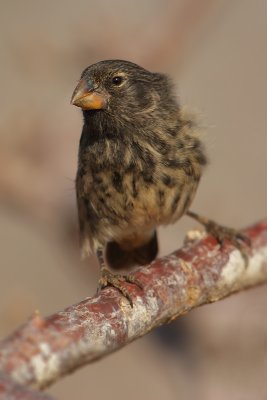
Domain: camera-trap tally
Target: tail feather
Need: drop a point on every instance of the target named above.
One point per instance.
(119, 258)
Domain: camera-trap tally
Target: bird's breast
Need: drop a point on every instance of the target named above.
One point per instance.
(132, 187)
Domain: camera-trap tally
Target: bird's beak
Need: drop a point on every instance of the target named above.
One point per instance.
(87, 97)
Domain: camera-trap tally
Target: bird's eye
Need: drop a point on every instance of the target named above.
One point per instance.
(117, 80)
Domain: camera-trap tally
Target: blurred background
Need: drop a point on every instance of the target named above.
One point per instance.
(215, 50)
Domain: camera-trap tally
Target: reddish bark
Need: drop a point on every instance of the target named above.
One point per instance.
(42, 350)
(9, 390)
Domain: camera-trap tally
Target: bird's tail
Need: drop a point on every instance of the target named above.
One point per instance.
(119, 258)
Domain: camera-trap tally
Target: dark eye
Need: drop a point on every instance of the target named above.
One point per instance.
(117, 80)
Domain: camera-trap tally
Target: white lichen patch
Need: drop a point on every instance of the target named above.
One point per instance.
(140, 318)
(173, 279)
(194, 235)
(256, 265)
(106, 330)
(45, 349)
(171, 260)
(93, 343)
(45, 365)
(22, 374)
(235, 269)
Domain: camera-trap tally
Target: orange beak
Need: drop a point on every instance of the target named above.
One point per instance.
(88, 98)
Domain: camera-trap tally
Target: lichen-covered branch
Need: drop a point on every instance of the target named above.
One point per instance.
(9, 390)
(44, 349)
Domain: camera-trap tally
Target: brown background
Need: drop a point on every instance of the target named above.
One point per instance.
(216, 53)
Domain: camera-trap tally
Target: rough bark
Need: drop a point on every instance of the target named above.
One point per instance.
(9, 390)
(44, 349)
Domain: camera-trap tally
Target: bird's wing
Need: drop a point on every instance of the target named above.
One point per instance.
(85, 242)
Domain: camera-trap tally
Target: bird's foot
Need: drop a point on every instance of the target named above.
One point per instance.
(222, 233)
(117, 281)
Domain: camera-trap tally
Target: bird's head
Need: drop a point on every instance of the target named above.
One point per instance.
(122, 88)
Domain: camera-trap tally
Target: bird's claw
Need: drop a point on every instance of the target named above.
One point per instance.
(117, 281)
(237, 238)
(222, 233)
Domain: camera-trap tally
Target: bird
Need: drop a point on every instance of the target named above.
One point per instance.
(140, 162)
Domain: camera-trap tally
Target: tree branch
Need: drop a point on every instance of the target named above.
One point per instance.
(10, 390)
(200, 272)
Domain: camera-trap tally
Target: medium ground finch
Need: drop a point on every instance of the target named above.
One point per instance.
(140, 163)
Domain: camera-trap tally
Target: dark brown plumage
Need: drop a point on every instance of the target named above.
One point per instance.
(140, 162)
